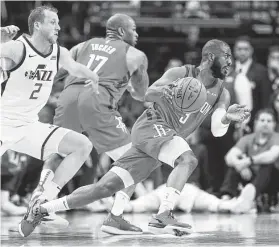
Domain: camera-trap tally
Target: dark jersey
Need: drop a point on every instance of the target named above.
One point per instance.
(108, 59)
(185, 124)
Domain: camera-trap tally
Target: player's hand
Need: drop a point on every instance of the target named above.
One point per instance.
(93, 83)
(168, 92)
(8, 33)
(238, 113)
(246, 174)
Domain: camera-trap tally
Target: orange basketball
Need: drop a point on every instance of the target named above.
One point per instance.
(189, 95)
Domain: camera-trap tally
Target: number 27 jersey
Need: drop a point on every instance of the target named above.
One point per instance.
(29, 84)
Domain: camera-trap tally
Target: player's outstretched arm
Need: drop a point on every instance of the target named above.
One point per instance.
(162, 87)
(137, 63)
(78, 69)
(62, 73)
(223, 114)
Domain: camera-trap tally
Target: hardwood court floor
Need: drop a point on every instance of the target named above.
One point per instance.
(209, 230)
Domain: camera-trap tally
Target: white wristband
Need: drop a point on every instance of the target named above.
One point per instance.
(217, 127)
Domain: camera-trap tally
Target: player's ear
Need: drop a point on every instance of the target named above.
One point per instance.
(37, 25)
(121, 31)
(211, 57)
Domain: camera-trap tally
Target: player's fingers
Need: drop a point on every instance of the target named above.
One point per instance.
(241, 106)
(88, 83)
(15, 28)
(7, 30)
(169, 91)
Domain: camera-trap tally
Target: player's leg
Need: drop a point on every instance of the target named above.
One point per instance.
(122, 197)
(176, 153)
(149, 202)
(66, 116)
(46, 140)
(126, 172)
(115, 223)
(106, 130)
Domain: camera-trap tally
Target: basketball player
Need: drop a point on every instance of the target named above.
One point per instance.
(32, 62)
(117, 63)
(158, 136)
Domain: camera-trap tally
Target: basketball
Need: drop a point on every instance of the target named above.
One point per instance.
(189, 95)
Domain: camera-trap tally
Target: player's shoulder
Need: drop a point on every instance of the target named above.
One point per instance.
(13, 50)
(135, 58)
(133, 51)
(177, 72)
(16, 45)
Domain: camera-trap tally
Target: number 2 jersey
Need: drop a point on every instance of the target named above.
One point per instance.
(108, 59)
(29, 84)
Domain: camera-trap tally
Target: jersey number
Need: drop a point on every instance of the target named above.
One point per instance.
(101, 59)
(39, 85)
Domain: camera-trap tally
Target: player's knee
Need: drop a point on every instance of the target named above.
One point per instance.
(109, 188)
(85, 146)
(187, 159)
(53, 162)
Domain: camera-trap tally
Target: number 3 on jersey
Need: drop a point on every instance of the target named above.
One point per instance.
(101, 59)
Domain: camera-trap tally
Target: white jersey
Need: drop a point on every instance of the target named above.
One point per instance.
(29, 85)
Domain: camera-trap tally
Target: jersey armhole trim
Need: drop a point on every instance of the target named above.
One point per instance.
(187, 70)
(219, 95)
(127, 48)
(22, 59)
(58, 56)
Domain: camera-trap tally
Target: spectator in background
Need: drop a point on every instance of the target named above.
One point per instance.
(72, 25)
(251, 162)
(274, 105)
(273, 67)
(196, 9)
(251, 80)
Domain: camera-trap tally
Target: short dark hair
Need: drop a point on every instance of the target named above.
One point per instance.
(116, 21)
(37, 14)
(213, 46)
(244, 38)
(265, 110)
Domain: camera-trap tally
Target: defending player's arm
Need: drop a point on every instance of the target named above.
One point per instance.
(77, 69)
(62, 73)
(137, 63)
(162, 87)
(223, 114)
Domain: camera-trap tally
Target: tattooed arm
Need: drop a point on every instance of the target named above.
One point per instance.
(137, 64)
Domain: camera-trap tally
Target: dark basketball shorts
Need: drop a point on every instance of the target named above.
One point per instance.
(153, 142)
(81, 110)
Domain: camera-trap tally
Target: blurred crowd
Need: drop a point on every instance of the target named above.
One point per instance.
(249, 82)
